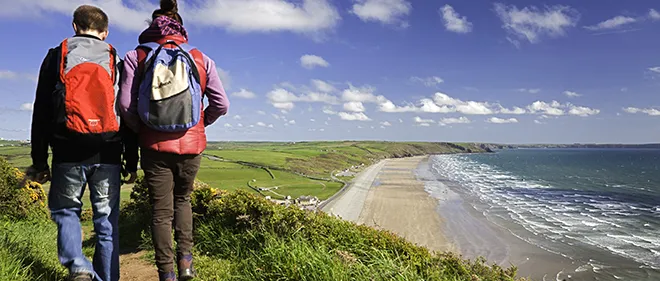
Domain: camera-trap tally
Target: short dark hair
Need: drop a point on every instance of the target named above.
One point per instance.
(88, 17)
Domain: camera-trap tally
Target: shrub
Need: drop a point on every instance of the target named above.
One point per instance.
(242, 226)
(20, 199)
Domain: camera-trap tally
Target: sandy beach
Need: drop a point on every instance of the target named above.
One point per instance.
(403, 196)
(388, 196)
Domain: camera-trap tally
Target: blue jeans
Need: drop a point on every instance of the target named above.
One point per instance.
(64, 200)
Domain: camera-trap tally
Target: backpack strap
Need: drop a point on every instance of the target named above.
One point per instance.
(64, 50)
(113, 64)
(198, 57)
(144, 50)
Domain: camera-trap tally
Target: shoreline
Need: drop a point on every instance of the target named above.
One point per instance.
(402, 195)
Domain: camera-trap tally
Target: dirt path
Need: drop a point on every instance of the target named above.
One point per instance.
(134, 268)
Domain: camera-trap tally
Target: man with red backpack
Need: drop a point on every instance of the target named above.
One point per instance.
(75, 115)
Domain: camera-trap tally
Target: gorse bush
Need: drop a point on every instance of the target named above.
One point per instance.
(259, 234)
(20, 199)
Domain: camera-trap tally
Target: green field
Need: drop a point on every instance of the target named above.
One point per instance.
(292, 164)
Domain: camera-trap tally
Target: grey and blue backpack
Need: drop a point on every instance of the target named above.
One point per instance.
(170, 91)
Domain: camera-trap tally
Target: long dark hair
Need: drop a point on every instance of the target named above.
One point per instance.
(168, 8)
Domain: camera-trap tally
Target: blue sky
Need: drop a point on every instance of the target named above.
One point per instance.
(511, 71)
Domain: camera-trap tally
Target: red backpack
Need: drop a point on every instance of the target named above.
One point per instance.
(86, 97)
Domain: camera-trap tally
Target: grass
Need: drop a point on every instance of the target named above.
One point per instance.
(34, 245)
(287, 161)
(12, 267)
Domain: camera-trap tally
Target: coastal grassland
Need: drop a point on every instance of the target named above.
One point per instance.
(241, 236)
(301, 168)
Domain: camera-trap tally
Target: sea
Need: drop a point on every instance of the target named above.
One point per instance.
(598, 208)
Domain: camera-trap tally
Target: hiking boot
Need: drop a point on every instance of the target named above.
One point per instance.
(80, 276)
(166, 276)
(186, 270)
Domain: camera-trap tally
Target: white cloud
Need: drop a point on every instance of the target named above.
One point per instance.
(12, 75)
(532, 24)
(649, 111)
(355, 116)
(277, 117)
(538, 122)
(572, 94)
(557, 109)
(385, 123)
(421, 120)
(400, 120)
(244, 94)
(227, 125)
(553, 108)
(237, 117)
(261, 112)
(389, 107)
(27, 106)
(460, 120)
(312, 120)
(428, 81)
(292, 122)
(424, 124)
(270, 126)
(361, 94)
(531, 91)
(465, 107)
(473, 107)
(6, 74)
(655, 69)
(453, 21)
(261, 124)
(321, 130)
(323, 86)
(312, 61)
(225, 77)
(429, 106)
(383, 11)
(654, 15)
(496, 120)
(354, 106)
(307, 16)
(612, 23)
(329, 111)
(582, 111)
(283, 99)
(515, 111)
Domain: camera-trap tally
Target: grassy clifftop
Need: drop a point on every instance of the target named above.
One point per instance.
(240, 236)
(231, 165)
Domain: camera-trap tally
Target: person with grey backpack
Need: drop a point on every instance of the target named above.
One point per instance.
(161, 98)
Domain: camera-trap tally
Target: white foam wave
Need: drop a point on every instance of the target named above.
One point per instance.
(542, 210)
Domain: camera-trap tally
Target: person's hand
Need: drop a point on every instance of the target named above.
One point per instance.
(132, 177)
(43, 177)
(38, 176)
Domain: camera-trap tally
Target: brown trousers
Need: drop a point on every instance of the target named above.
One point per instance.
(170, 179)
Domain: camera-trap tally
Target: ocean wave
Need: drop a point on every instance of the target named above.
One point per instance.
(542, 209)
